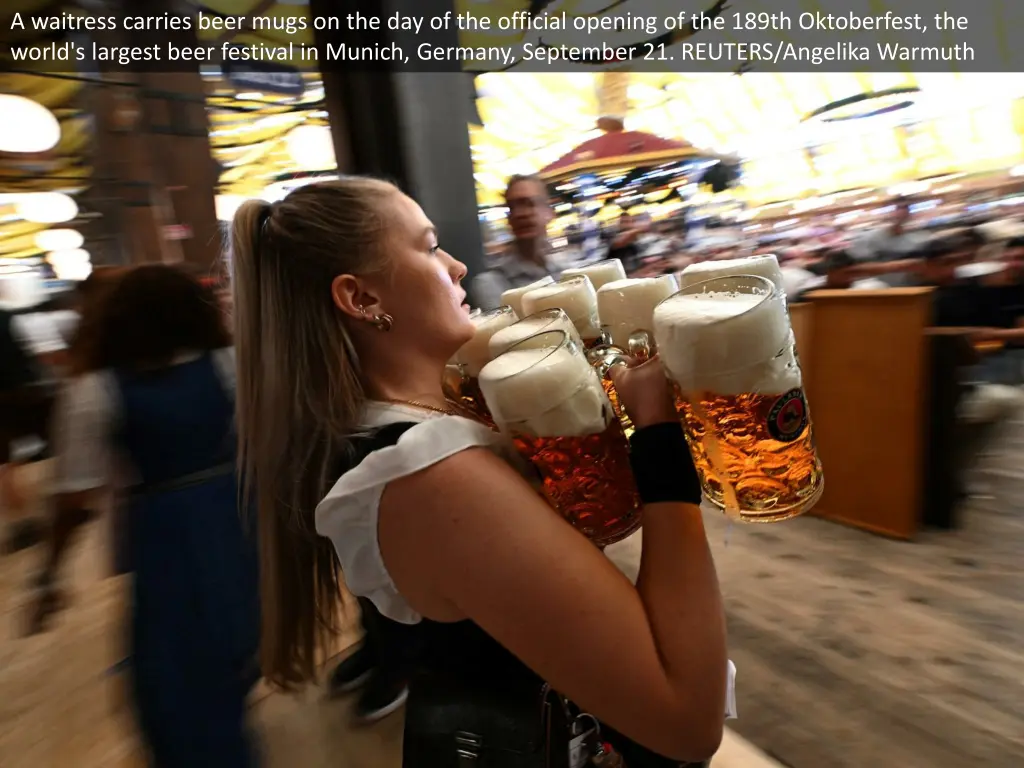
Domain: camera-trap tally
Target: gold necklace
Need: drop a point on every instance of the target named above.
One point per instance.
(425, 406)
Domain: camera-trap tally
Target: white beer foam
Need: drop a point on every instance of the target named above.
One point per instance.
(528, 327)
(627, 306)
(600, 273)
(545, 393)
(513, 297)
(727, 343)
(475, 353)
(575, 296)
(763, 266)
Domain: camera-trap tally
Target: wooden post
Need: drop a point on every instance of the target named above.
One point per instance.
(179, 144)
(126, 176)
(153, 152)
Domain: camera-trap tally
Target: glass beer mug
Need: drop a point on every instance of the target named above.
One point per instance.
(460, 377)
(513, 297)
(626, 308)
(766, 266)
(728, 346)
(544, 394)
(600, 272)
(577, 298)
(534, 327)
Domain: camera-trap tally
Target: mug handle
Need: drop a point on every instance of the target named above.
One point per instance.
(640, 346)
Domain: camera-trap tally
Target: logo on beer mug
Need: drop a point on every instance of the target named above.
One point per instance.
(788, 417)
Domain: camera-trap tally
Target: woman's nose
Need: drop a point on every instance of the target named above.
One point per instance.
(456, 269)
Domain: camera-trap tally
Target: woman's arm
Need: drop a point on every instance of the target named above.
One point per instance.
(469, 538)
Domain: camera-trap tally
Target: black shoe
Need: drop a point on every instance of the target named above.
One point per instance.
(383, 695)
(352, 673)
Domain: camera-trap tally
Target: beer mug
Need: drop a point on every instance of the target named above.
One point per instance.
(460, 382)
(626, 308)
(600, 272)
(577, 298)
(766, 266)
(544, 394)
(513, 297)
(533, 327)
(601, 356)
(728, 346)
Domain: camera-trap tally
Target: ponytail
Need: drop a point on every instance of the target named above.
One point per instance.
(299, 397)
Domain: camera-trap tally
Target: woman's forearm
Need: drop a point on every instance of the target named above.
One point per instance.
(679, 588)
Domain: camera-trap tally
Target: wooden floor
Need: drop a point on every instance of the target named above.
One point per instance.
(852, 650)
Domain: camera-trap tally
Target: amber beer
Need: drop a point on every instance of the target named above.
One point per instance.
(576, 297)
(728, 346)
(546, 396)
(460, 381)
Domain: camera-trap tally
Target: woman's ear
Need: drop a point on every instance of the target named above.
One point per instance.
(353, 297)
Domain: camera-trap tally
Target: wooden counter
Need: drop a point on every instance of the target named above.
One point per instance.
(864, 357)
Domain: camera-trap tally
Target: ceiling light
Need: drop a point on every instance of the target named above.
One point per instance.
(311, 147)
(47, 207)
(68, 257)
(27, 126)
(59, 239)
(74, 271)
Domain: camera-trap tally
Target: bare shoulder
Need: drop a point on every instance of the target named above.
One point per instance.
(472, 535)
(432, 523)
(469, 494)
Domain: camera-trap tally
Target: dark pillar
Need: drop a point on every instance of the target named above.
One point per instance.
(410, 127)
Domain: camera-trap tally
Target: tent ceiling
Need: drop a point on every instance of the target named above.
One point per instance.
(957, 122)
(529, 120)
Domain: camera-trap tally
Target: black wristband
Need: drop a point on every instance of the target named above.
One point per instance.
(662, 464)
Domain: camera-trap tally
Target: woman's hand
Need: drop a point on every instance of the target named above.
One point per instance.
(645, 391)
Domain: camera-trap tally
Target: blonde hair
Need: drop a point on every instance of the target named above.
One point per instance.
(299, 395)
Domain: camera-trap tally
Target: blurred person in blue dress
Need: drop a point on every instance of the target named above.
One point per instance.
(157, 406)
